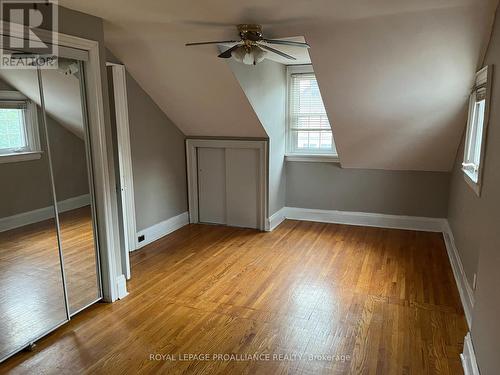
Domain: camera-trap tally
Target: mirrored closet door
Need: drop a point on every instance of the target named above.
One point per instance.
(64, 99)
(49, 265)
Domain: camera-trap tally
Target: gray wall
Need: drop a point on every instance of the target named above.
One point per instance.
(158, 156)
(26, 186)
(464, 210)
(69, 161)
(475, 222)
(158, 160)
(265, 87)
(327, 186)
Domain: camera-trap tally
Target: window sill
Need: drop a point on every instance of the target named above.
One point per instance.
(21, 156)
(471, 179)
(313, 158)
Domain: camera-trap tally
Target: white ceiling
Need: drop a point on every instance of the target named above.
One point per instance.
(394, 74)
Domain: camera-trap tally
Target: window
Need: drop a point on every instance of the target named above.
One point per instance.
(12, 130)
(309, 131)
(18, 128)
(476, 130)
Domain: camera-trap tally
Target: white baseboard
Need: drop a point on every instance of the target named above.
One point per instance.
(161, 229)
(464, 288)
(468, 357)
(41, 214)
(121, 286)
(275, 219)
(367, 219)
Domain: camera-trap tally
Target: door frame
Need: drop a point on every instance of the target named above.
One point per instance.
(126, 189)
(192, 144)
(113, 285)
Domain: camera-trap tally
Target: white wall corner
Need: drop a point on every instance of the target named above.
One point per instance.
(275, 219)
(464, 288)
(468, 357)
(161, 229)
(121, 286)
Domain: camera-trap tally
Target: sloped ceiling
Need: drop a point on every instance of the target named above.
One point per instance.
(61, 92)
(394, 74)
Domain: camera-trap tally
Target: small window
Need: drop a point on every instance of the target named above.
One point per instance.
(476, 130)
(12, 130)
(309, 130)
(18, 126)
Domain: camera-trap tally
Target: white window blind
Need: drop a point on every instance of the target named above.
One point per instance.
(309, 128)
(18, 124)
(12, 130)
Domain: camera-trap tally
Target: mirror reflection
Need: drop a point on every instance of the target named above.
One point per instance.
(31, 286)
(63, 103)
(44, 150)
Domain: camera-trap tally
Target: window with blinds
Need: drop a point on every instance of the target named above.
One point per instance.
(18, 125)
(308, 126)
(12, 130)
(476, 127)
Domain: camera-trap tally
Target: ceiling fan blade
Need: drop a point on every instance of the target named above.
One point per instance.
(286, 43)
(227, 53)
(217, 42)
(277, 52)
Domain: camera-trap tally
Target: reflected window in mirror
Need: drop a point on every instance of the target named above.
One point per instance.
(19, 137)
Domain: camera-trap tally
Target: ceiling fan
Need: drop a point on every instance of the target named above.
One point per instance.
(252, 46)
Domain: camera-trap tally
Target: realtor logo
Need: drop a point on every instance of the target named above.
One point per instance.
(23, 23)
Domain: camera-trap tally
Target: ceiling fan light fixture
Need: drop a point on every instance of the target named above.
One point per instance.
(258, 55)
(252, 47)
(248, 55)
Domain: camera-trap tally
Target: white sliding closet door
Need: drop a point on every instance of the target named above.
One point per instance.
(228, 186)
(242, 187)
(212, 185)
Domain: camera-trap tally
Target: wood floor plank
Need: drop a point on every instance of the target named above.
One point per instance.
(314, 298)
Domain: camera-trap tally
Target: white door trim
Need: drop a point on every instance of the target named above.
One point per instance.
(125, 164)
(105, 193)
(192, 172)
(468, 357)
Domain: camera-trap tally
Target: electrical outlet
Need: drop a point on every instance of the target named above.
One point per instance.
(141, 238)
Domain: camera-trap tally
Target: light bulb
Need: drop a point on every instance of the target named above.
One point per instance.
(258, 54)
(248, 55)
(239, 53)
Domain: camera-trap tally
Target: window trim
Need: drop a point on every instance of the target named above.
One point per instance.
(20, 156)
(313, 158)
(302, 156)
(33, 150)
(480, 77)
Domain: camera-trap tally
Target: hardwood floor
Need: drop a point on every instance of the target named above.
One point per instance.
(77, 239)
(31, 289)
(326, 298)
